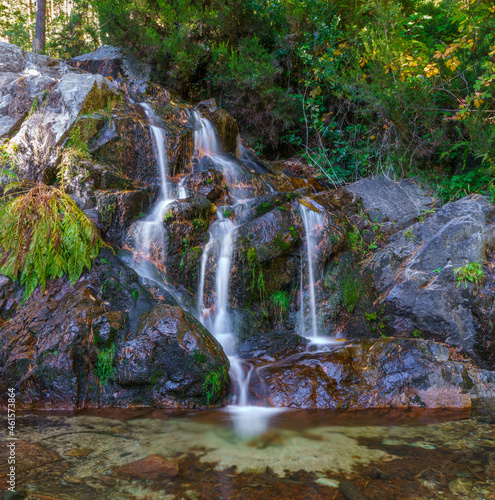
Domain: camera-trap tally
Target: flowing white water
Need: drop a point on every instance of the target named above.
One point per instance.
(150, 232)
(181, 190)
(312, 220)
(247, 420)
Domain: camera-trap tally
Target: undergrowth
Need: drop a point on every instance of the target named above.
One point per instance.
(44, 235)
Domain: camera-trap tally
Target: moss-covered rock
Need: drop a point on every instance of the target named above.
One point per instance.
(107, 342)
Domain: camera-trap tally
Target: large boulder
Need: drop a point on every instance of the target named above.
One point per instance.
(395, 205)
(112, 62)
(417, 274)
(106, 342)
(391, 373)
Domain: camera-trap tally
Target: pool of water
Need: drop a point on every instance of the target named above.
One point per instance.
(258, 454)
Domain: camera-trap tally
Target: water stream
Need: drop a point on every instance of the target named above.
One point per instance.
(248, 420)
(150, 234)
(311, 220)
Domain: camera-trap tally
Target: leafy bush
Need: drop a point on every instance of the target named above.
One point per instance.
(472, 272)
(43, 235)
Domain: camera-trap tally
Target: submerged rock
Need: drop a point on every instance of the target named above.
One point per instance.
(391, 373)
(107, 342)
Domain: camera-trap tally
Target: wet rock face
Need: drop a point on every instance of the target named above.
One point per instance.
(107, 342)
(415, 274)
(392, 373)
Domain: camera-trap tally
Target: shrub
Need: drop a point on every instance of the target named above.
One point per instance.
(44, 235)
(472, 272)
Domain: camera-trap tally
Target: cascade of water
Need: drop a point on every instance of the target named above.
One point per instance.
(159, 145)
(248, 420)
(150, 230)
(205, 137)
(181, 190)
(311, 220)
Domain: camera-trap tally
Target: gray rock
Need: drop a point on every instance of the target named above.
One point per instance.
(395, 204)
(105, 342)
(111, 61)
(41, 135)
(416, 278)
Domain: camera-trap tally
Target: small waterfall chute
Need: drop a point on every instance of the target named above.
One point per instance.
(248, 420)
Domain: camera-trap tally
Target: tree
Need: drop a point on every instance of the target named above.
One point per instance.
(39, 34)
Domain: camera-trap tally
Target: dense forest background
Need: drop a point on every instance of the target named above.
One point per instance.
(354, 87)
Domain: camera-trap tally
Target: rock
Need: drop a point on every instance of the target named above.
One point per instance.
(153, 467)
(269, 346)
(33, 463)
(42, 134)
(461, 486)
(416, 278)
(209, 183)
(117, 210)
(112, 62)
(171, 351)
(107, 342)
(350, 491)
(392, 373)
(396, 204)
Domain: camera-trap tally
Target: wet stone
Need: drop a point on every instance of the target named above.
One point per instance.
(153, 467)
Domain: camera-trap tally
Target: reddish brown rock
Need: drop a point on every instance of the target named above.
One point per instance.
(153, 467)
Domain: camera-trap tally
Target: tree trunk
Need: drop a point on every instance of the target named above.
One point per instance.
(39, 34)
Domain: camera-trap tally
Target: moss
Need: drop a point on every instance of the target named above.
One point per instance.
(351, 291)
(213, 384)
(156, 376)
(263, 208)
(199, 357)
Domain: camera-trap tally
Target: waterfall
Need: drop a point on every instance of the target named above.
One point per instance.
(247, 420)
(205, 136)
(181, 190)
(311, 220)
(150, 232)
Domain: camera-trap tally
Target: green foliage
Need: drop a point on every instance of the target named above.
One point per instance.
(371, 316)
(355, 240)
(471, 272)
(409, 235)
(227, 213)
(198, 223)
(44, 235)
(416, 333)
(213, 384)
(71, 28)
(280, 301)
(104, 369)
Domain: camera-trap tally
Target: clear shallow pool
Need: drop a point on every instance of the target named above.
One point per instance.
(299, 455)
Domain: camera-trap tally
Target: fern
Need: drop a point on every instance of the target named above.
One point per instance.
(43, 235)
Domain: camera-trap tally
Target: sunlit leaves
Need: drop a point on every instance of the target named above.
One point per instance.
(43, 235)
